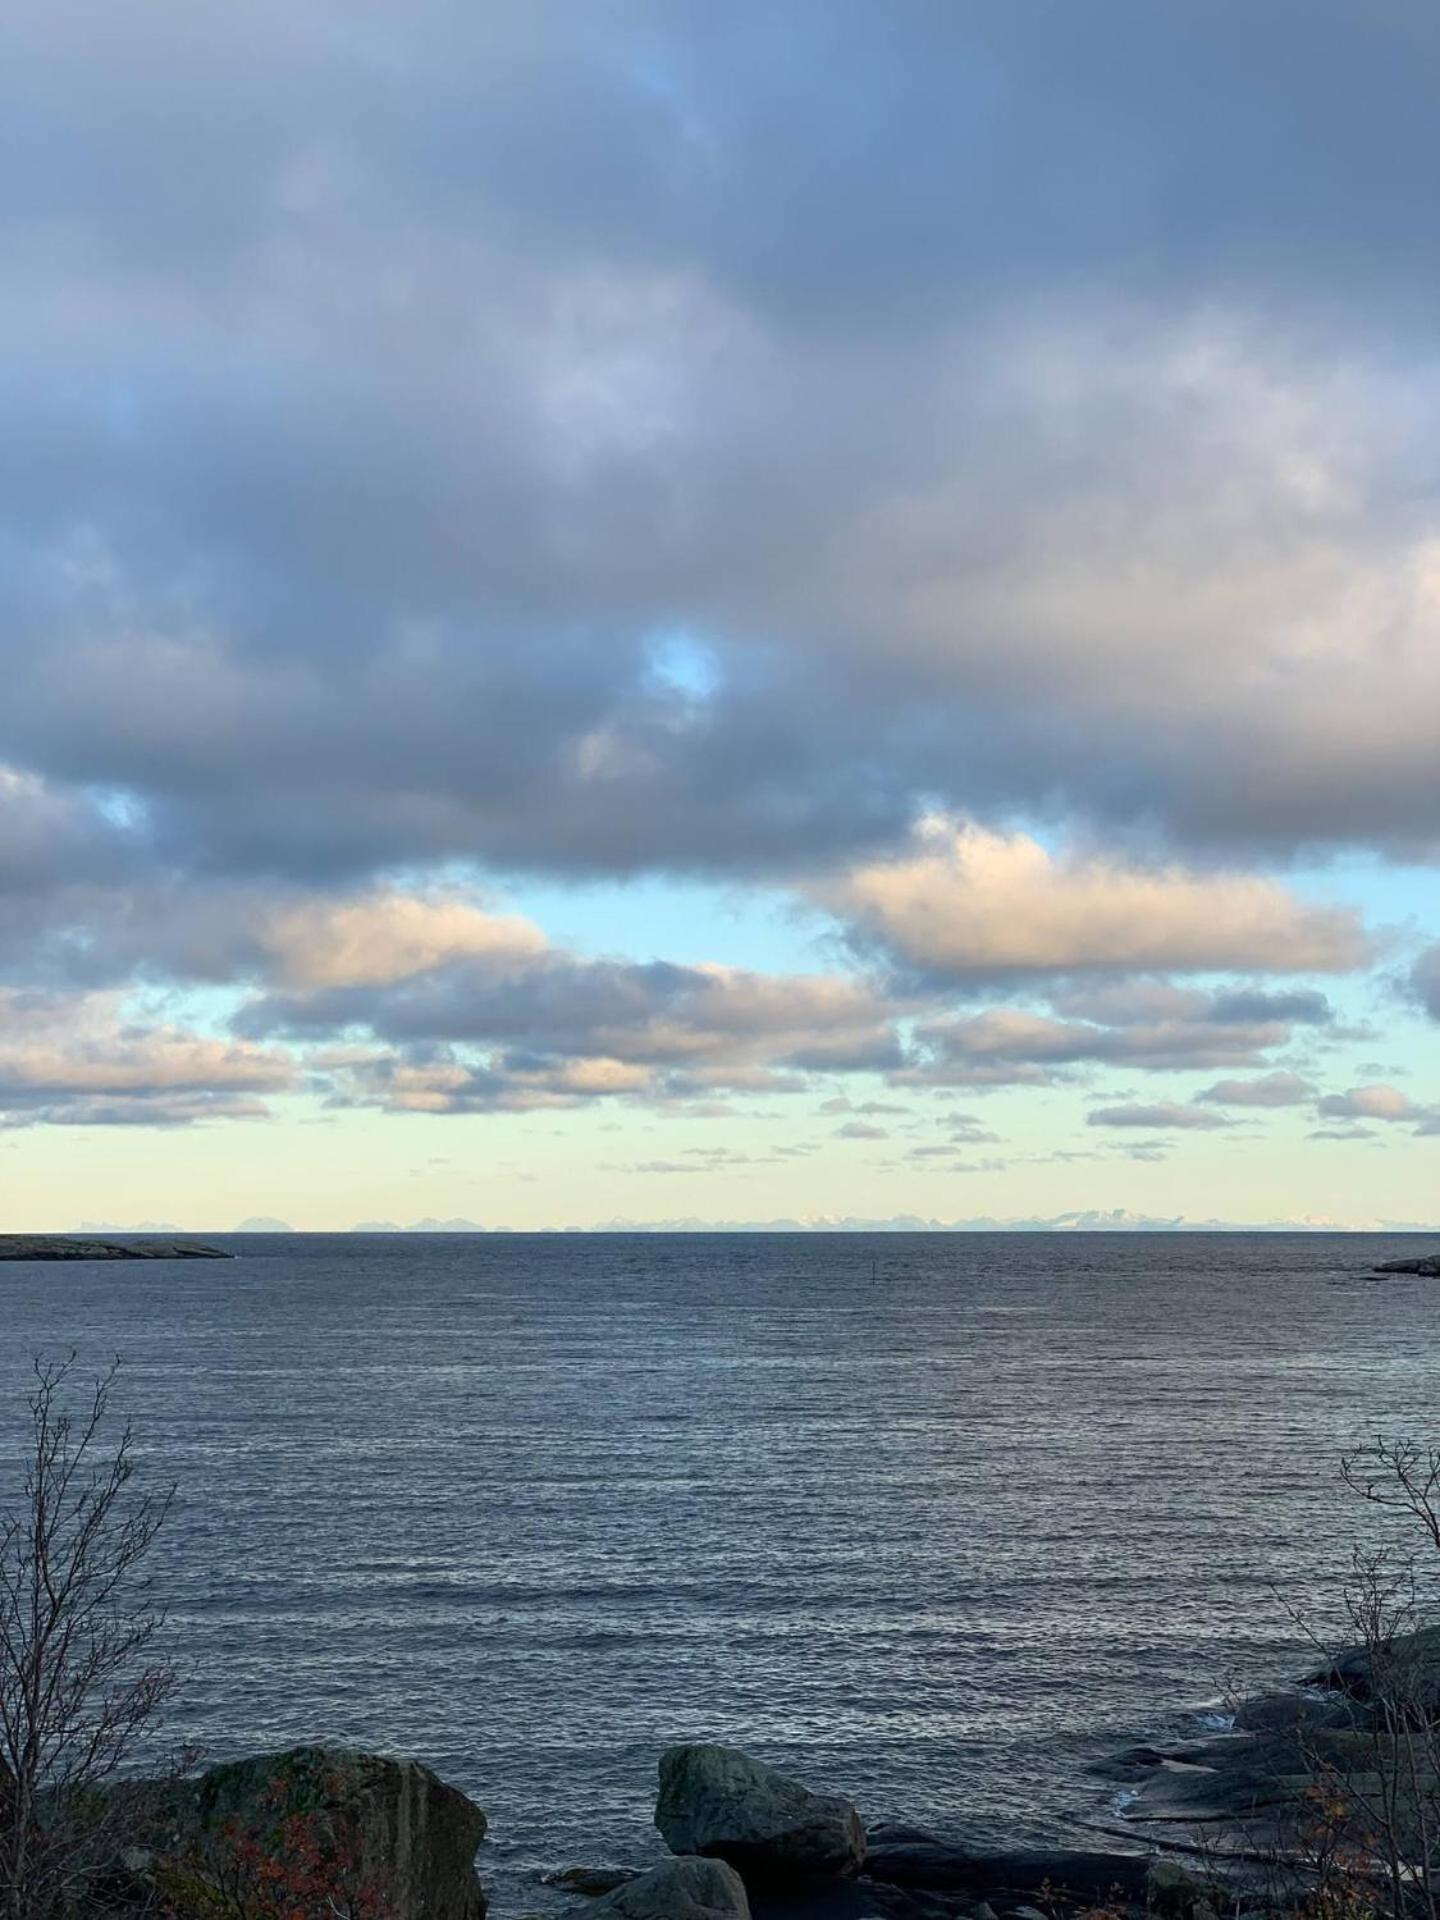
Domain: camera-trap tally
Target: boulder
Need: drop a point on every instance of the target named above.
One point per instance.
(718, 1801)
(682, 1889)
(1172, 1889)
(390, 1827)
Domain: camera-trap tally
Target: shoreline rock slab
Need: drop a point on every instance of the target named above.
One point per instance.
(58, 1246)
(718, 1802)
(1427, 1264)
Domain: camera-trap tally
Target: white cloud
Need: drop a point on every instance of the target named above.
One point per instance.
(79, 1059)
(386, 936)
(1379, 1101)
(964, 901)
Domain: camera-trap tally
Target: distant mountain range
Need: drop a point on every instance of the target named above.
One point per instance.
(1084, 1220)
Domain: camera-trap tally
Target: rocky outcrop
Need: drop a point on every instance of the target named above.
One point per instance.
(1343, 1739)
(682, 1889)
(391, 1828)
(1427, 1264)
(717, 1801)
(1405, 1670)
(45, 1246)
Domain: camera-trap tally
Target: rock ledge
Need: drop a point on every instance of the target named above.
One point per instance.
(65, 1246)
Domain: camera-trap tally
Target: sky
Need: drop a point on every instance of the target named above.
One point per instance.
(653, 612)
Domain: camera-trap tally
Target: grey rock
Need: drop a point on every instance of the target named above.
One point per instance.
(912, 1857)
(860, 1899)
(1406, 1671)
(687, 1888)
(1173, 1889)
(1427, 1264)
(593, 1882)
(717, 1801)
(1074, 1876)
(1296, 1711)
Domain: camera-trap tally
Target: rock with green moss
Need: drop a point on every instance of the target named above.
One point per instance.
(322, 1825)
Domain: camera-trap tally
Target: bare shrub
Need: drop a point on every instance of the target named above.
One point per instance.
(81, 1675)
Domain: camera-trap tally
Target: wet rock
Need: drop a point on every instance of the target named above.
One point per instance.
(593, 1882)
(1427, 1264)
(687, 1888)
(717, 1801)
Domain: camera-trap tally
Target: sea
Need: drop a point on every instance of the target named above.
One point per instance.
(936, 1520)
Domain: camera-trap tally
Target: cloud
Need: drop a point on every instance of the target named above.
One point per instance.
(1150, 1026)
(386, 937)
(1004, 439)
(80, 1061)
(1425, 981)
(1279, 1089)
(1379, 1102)
(861, 1130)
(1161, 1114)
(469, 443)
(966, 902)
(512, 1029)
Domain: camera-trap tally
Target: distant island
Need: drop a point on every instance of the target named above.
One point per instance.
(56, 1246)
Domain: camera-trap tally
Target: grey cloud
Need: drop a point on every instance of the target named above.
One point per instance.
(1162, 1115)
(1279, 1089)
(1425, 981)
(381, 392)
(1158, 1028)
(516, 1032)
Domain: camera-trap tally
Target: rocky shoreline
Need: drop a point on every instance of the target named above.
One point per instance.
(1219, 1824)
(64, 1246)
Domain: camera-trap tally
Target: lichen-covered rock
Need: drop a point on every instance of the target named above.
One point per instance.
(682, 1889)
(390, 1835)
(718, 1801)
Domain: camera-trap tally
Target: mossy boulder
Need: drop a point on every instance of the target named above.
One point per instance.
(387, 1837)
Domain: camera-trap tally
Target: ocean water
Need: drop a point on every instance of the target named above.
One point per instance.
(932, 1519)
